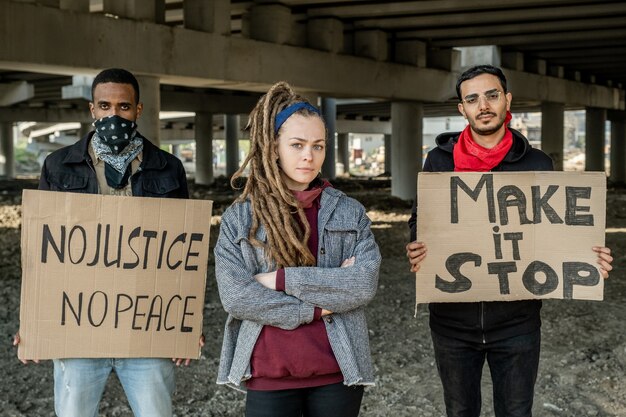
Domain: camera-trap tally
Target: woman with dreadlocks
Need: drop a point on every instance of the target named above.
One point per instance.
(296, 263)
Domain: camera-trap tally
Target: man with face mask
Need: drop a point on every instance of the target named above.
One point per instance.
(114, 159)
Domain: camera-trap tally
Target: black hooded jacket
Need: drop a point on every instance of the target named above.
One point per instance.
(70, 169)
(484, 322)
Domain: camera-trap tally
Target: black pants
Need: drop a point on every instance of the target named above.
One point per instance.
(335, 400)
(513, 364)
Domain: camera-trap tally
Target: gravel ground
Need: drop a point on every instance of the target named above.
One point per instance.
(583, 346)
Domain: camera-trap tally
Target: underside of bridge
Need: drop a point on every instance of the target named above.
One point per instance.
(362, 61)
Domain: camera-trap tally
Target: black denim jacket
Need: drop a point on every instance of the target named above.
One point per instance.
(70, 169)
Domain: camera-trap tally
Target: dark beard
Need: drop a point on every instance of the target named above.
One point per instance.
(487, 131)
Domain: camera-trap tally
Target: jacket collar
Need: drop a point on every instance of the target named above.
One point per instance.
(152, 159)
(521, 147)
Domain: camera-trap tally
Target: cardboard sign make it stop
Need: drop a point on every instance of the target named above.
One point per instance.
(109, 276)
(510, 236)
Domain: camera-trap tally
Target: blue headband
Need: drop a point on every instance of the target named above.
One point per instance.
(286, 113)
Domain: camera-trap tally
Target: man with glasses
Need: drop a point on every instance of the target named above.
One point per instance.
(507, 334)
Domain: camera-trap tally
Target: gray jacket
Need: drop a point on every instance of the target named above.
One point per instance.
(344, 231)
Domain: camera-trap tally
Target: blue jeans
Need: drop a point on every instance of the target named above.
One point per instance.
(334, 400)
(79, 384)
(513, 364)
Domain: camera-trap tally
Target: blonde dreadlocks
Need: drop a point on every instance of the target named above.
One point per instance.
(273, 205)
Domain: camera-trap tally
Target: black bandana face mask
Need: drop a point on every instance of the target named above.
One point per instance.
(115, 132)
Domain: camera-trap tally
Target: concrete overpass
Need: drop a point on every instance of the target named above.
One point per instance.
(401, 58)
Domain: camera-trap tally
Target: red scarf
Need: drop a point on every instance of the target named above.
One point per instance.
(306, 197)
(470, 156)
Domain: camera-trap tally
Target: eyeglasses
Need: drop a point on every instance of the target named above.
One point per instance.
(491, 96)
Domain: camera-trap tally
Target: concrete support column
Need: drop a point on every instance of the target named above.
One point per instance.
(618, 151)
(74, 5)
(204, 148)
(406, 148)
(388, 154)
(594, 139)
(329, 112)
(231, 124)
(150, 95)
(146, 10)
(7, 150)
(207, 16)
(552, 132)
(175, 150)
(343, 152)
(480, 55)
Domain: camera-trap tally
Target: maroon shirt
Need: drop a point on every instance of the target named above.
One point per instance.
(299, 358)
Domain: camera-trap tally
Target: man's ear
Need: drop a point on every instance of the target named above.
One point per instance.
(461, 109)
(139, 109)
(509, 98)
(91, 109)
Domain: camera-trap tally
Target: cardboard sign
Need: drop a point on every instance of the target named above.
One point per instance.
(112, 277)
(510, 236)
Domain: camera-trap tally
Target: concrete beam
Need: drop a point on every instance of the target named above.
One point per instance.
(196, 59)
(529, 86)
(363, 126)
(511, 28)
(460, 17)
(190, 58)
(536, 38)
(16, 92)
(428, 7)
(206, 102)
(45, 115)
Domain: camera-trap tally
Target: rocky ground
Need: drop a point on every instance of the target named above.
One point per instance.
(583, 346)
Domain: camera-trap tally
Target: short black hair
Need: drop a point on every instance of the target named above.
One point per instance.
(479, 70)
(118, 76)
